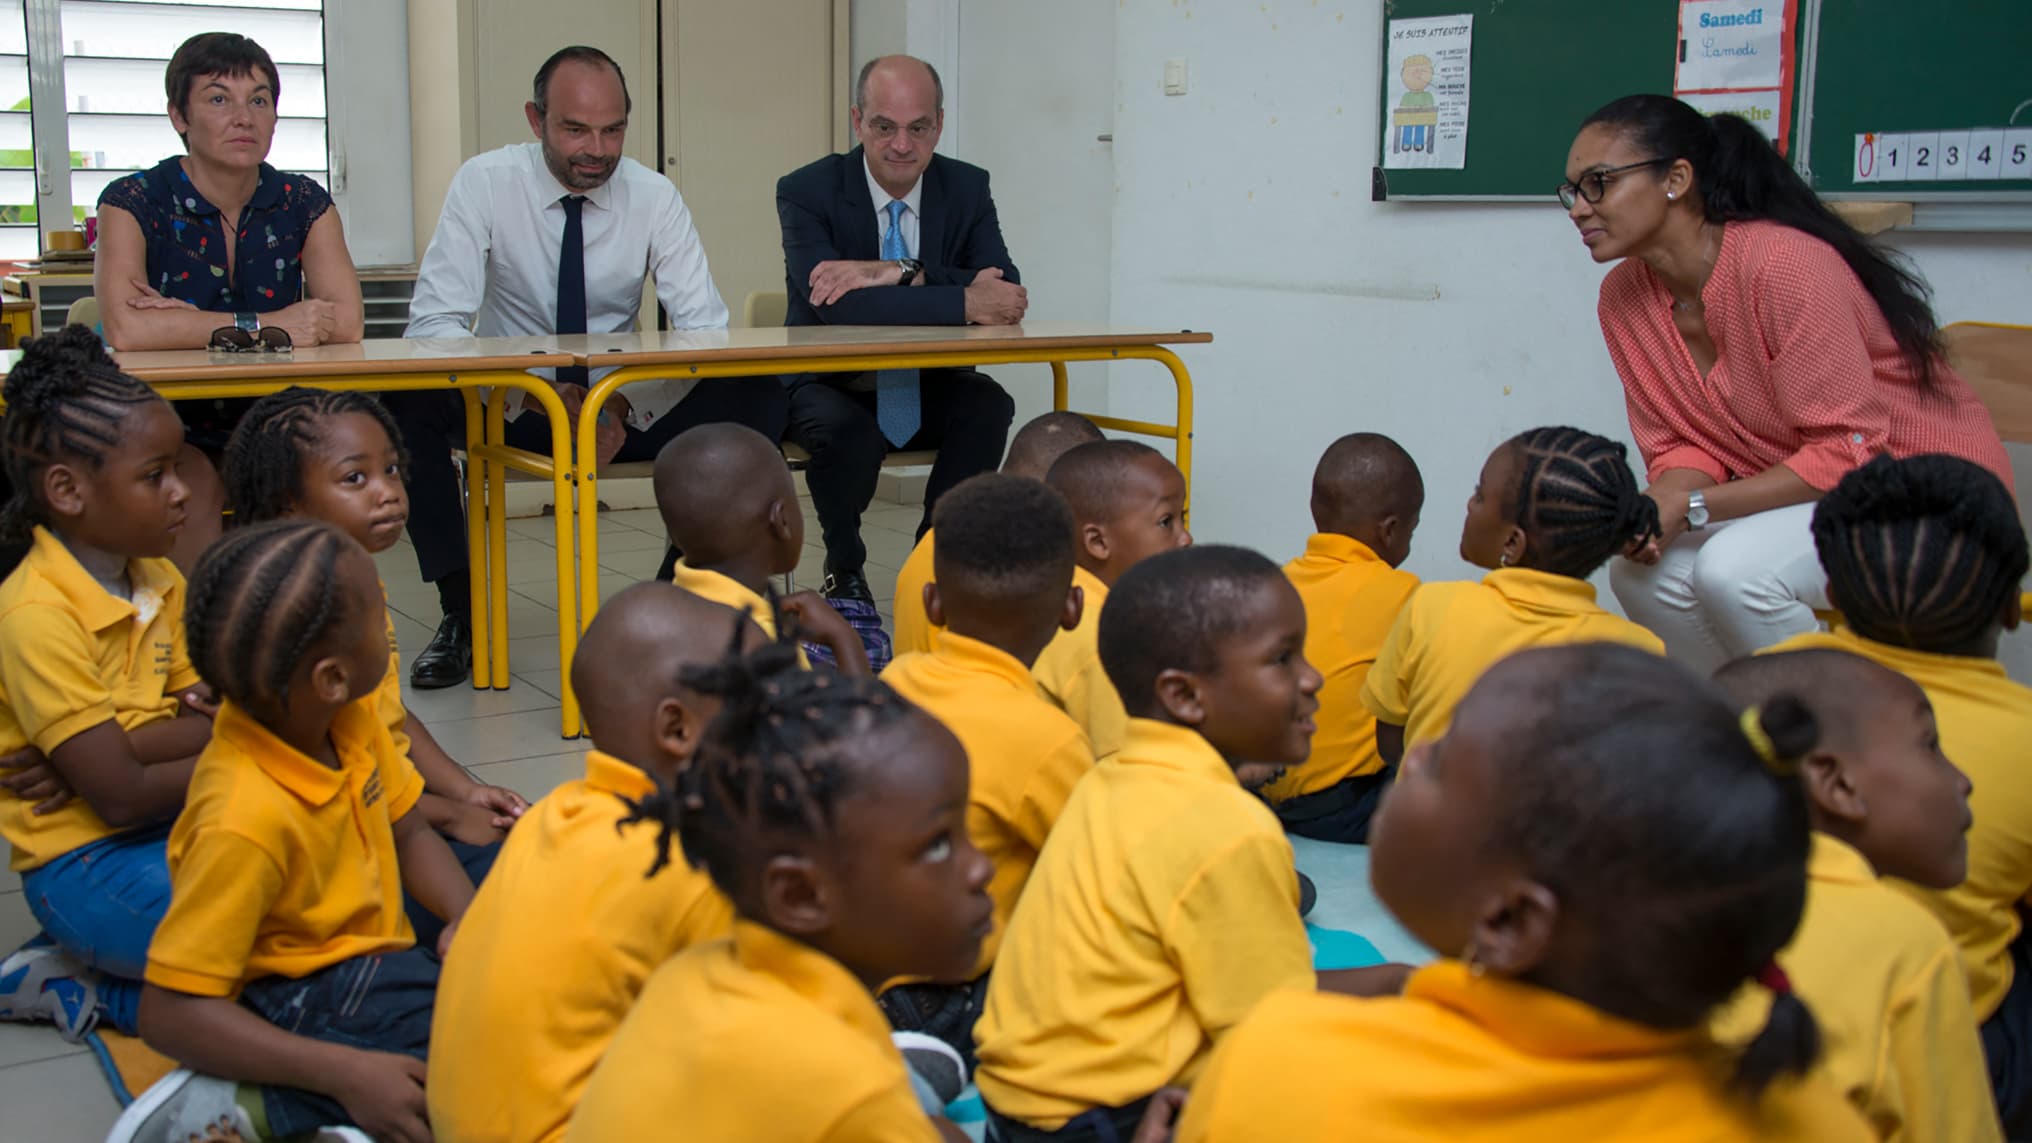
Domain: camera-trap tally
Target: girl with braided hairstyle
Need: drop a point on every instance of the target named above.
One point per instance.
(832, 813)
(1552, 505)
(95, 735)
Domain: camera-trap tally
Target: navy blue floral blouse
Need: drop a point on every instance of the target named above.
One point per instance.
(186, 250)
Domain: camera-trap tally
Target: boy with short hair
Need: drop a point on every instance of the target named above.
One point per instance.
(1003, 589)
(729, 505)
(1366, 499)
(1032, 452)
(572, 919)
(1128, 503)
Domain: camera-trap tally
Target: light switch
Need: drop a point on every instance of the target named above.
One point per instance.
(1174, 77)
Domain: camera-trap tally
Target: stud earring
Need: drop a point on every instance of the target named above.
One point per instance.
(1670, 195)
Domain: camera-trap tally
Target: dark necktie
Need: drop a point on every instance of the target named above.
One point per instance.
(571, 282)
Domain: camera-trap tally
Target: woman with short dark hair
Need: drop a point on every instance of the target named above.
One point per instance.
(1765, 348)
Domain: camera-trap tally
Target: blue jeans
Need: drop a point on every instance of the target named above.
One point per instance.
(101, 903)
(372, 1003)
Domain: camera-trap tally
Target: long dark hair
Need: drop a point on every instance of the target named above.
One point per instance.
(1742, 178)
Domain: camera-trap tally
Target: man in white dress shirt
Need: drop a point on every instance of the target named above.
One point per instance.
(555, 237)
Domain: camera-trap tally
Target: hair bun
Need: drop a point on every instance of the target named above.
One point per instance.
(52, 365)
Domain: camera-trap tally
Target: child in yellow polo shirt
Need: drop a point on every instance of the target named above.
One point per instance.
(1551, 507)
(728, 502)
(1128, 503)
(1032, 451)
(563, 933)
(1003, 589)
(1366, 499)
(832, 813)
(1879, 971)
(1165, 904)
(1925, 558)
(1609, 859)
(285, 971)
(317, 454)
(93, 670)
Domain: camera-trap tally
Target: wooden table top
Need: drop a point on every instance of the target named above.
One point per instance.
(679, 346)
(381, 355)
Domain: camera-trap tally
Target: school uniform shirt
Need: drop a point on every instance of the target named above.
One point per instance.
(279, 864)
(1163, 908)
(1024, 754)
(1885, 984)
(914, 629)
(388, 696)
(1465, 1059)
(758, 1038)
(1985, 723)
(1070, 673)
(551, 954)
(1449, 633)
(72, 656)
(1351, 598)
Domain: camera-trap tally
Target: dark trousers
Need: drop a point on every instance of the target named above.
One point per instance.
(433, 423)
(373, 1003)
(1341, 812)
(946, 1012)
(966, 418)
(1100, 1125)
(2007, 1045)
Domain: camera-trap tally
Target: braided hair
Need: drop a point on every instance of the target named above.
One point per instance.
(1577, 501)
(261, 599)
(774, 763)
(264, 460)
(1922, 552)
(66, 400)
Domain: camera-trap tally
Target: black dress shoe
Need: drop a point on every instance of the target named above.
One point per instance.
(448, 659)
(847, 585)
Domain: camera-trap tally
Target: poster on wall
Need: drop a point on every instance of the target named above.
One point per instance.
(1735, 56)
(1425, 114)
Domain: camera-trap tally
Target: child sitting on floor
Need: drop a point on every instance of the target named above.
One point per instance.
(285, 971)
(1551, 507)
(1925, 559)
(316, 454)
(1366, 498)
(530, 996)
(1032, 451)
(728, 502)
(832, 814)
(93, 673)
(1002, 590)
(1128, 503)
(1879, 972)
(1609, 859)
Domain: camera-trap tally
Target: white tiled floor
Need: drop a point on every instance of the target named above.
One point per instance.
(54, 1092)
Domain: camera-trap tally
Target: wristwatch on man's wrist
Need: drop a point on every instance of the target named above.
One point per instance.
(1696, 510)
(910, 268)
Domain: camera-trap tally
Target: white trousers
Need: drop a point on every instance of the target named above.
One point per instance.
(1729, 589)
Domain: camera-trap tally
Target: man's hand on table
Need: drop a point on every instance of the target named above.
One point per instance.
(612, 431)
(831, 281)
(993, 300)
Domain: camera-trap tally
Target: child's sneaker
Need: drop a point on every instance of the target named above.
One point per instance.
(41, 981)
(933, 1061)
(185, 1106)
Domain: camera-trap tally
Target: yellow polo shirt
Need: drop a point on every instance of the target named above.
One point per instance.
(1352, 598)
(388, 696)
(1069, 671)
(1025, 756)
(279, 864)
(1470, 1059)
(1163, 908)
(1449, 633)
(72, 656)
(725, 589)
(1985, 723)
(758, 1037)
(551, 955)
(1882, 977)
(914, 629)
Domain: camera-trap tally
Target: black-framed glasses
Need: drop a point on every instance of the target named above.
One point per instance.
(233, 339)
(1593, 185)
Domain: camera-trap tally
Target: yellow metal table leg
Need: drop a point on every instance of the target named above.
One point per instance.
(496, 667)
(477, 561)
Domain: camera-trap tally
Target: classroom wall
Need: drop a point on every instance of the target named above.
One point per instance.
(437, 96)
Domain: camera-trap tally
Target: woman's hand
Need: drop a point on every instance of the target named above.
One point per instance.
(146, 298)
(308, 322)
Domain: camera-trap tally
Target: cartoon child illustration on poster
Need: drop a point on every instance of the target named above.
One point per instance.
(1418, 112)
(1425, 115)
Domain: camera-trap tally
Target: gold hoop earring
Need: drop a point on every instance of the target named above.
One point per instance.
(1471, 957)
(1503, 560)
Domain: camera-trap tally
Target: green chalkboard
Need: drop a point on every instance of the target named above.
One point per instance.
(1912, 69)
(1538, 68)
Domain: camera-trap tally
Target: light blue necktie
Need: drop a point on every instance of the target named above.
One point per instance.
(897, 411)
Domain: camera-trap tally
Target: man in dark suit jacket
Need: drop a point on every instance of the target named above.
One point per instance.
(892, 234)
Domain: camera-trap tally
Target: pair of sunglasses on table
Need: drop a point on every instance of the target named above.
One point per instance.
(233, 339)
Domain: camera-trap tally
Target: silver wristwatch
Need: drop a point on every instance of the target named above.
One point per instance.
(1696, 510)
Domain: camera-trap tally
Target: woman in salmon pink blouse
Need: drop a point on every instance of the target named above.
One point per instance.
(1765, 348)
